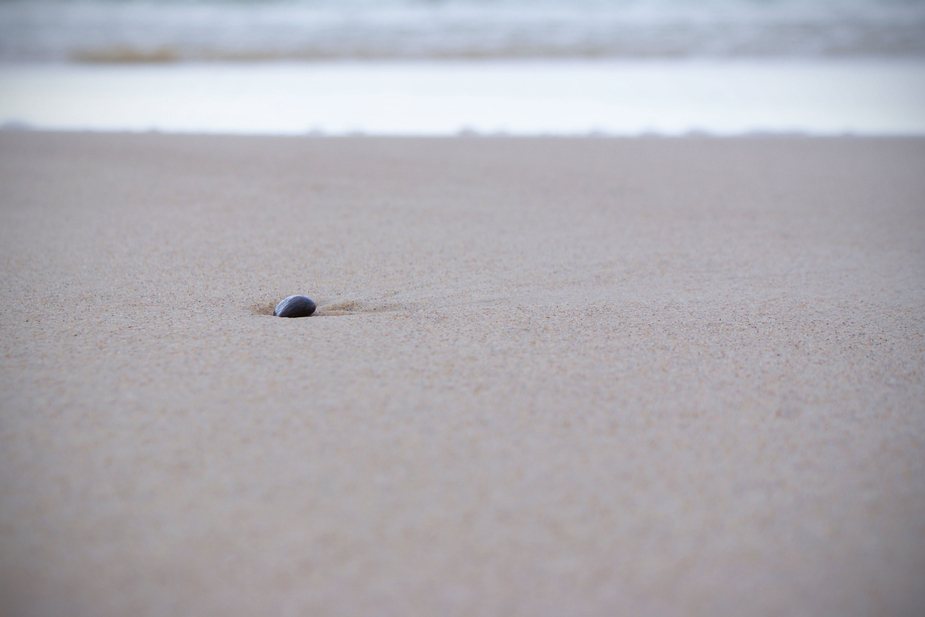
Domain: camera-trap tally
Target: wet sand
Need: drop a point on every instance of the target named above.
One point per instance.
(546, 377)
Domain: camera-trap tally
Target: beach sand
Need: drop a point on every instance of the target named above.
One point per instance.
(547, 376)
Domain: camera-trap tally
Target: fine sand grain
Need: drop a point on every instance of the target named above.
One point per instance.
(546, 376)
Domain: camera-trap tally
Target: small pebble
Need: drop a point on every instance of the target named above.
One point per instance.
(295, 306)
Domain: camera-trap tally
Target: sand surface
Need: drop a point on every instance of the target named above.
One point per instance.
(547, 377)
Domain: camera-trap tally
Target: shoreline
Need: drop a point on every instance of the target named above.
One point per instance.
(19, 128)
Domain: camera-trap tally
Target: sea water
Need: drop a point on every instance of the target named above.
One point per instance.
(159, 30)
(435, 67)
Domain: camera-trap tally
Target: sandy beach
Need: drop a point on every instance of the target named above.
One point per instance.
(547, 376)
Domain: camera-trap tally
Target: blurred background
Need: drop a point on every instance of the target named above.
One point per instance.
(435, 67)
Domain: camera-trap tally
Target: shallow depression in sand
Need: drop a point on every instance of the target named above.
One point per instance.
(333, 309)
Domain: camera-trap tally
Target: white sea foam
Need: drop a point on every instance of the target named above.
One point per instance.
(574, 97)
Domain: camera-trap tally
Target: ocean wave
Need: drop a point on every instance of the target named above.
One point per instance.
(212, 30)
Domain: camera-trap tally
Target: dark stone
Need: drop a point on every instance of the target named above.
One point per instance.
(295, 306)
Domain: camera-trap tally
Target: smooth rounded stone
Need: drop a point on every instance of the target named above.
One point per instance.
(295, 306)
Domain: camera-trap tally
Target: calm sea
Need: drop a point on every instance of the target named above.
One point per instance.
(444, 66)
(110, 30)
